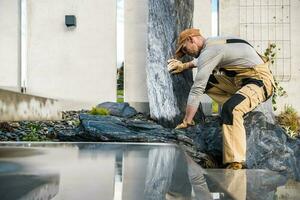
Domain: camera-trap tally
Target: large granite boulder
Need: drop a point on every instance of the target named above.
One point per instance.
(268, 146)
(167, 93)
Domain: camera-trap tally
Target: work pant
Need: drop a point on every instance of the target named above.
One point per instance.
(239, 90)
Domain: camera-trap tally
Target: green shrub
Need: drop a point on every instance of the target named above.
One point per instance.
(120, 100)
(76, 122)
(271, 53)
(34, 135)
(289, 120)
(99, 111)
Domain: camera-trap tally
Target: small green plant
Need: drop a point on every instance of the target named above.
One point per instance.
(289, 120)
(270, 53)
(99, 111)
(290, 132)
(76, 122)
(34, 135)
(278, 92)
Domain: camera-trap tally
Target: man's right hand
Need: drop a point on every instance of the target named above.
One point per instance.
(185, 124)
(176, 66)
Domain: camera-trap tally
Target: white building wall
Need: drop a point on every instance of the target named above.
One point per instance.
(230, 18)
(135, 24)
(203, 17)
(293, 86)
(134, 174)
(10, 44)
(72, 64)
(203, 21)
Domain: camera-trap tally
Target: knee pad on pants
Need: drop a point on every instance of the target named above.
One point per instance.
(228, 107)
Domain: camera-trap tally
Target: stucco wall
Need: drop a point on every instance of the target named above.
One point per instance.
(229, 17)
(9, 44)
(72, 64)
(293, 86)
(135, 24)
(15, 106)
(203, 21)
(202, 17)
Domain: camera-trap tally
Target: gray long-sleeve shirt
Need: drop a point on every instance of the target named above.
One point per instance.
(219, 55)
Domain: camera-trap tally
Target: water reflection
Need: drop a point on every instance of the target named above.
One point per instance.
(170, 175)
(10, 152)
(244, 184)
(28, 186)
(123, 171)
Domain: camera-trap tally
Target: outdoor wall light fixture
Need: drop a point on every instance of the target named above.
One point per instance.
(70, 20)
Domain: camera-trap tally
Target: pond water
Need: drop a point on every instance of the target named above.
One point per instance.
(129, 171)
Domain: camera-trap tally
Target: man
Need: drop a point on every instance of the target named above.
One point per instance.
(233, 74)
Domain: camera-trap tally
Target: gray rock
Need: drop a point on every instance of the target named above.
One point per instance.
(267, 109)
(268, 146)
(111, 128)
(118, 109)
(120, 129)
(167, 93)
(14, 124)
(68, 135)
(142, 125)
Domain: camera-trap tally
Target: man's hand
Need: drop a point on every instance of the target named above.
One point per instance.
(176, 66)
(185, 124)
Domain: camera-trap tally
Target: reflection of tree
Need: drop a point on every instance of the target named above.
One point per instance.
(171, 175)
(161, 163)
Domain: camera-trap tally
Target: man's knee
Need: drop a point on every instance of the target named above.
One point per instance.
(229, 108)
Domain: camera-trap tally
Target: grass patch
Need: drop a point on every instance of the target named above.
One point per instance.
(289, 120)
(120, 96)
(120, 92)
(99, 111)
(34, 135)
(120, 100)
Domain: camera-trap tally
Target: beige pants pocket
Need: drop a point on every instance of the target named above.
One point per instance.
(254, 93)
